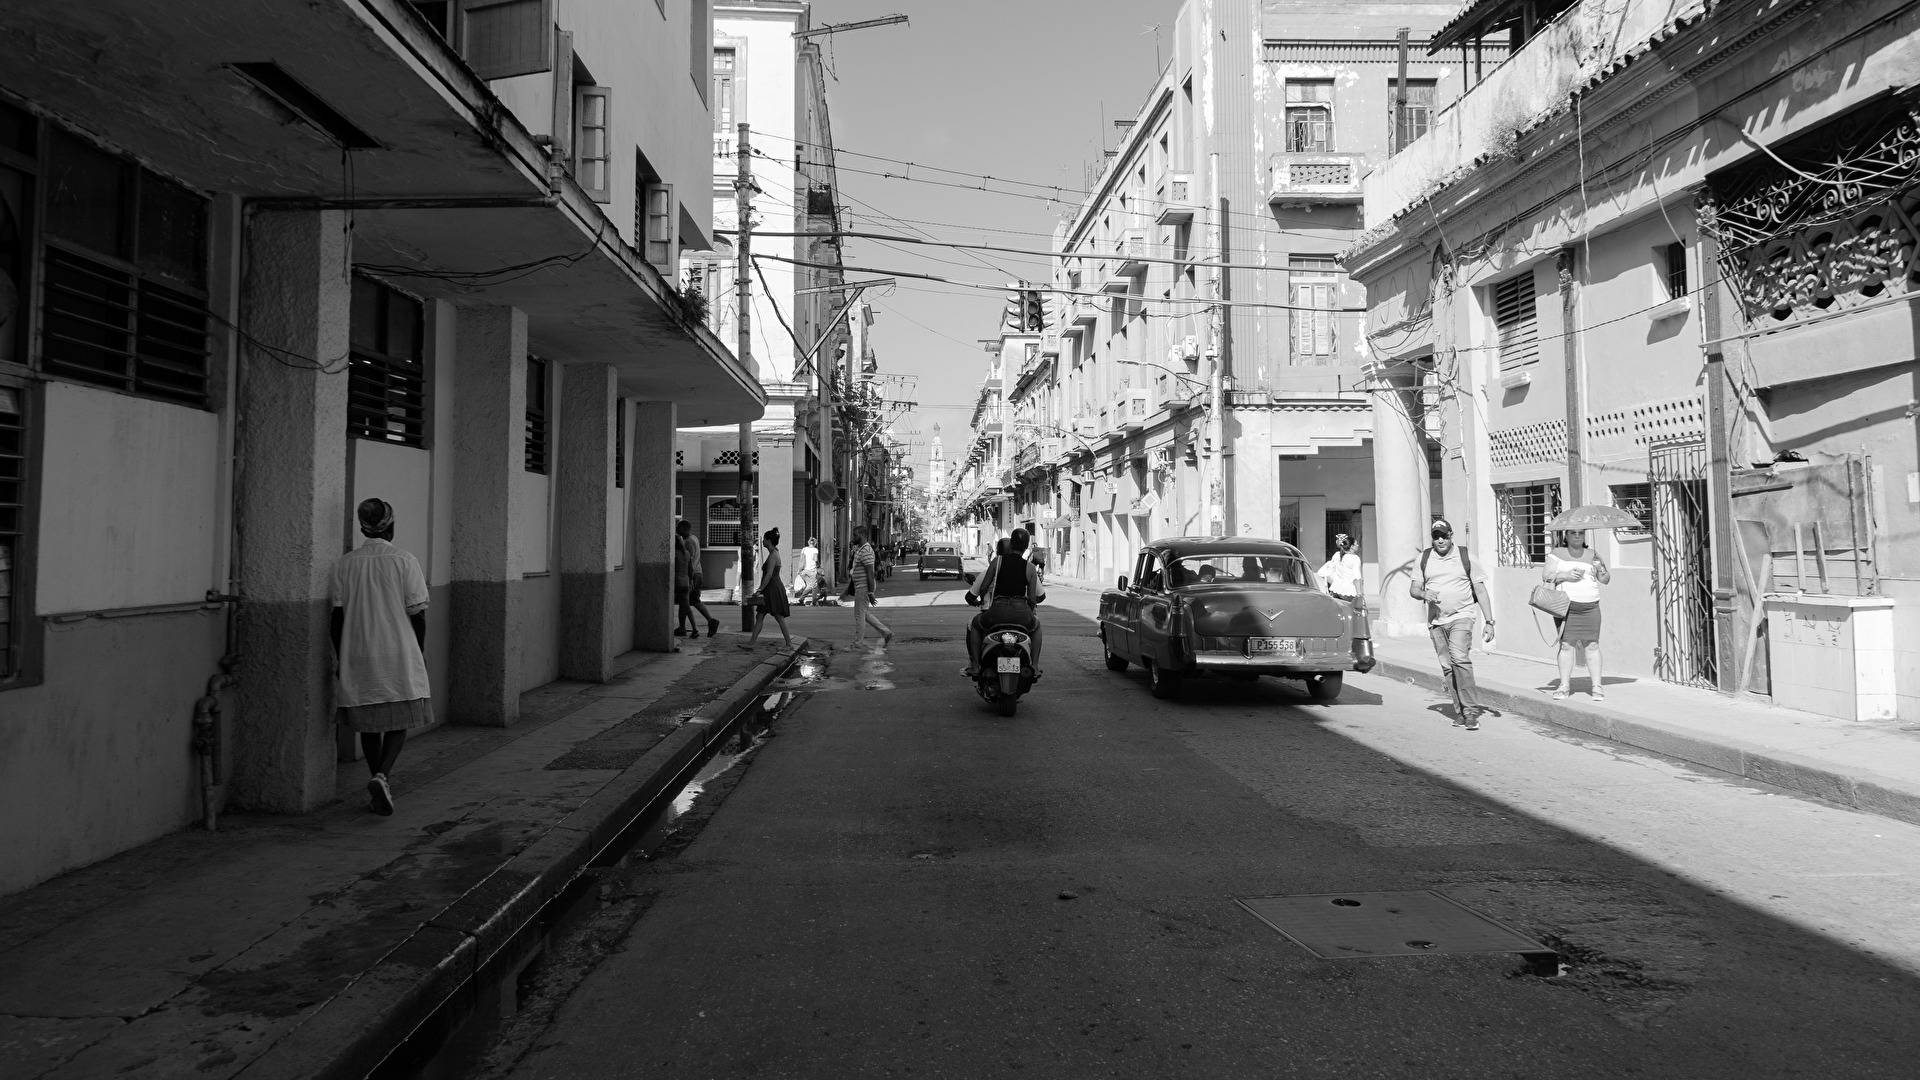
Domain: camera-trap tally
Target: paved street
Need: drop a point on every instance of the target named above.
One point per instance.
(904, 883)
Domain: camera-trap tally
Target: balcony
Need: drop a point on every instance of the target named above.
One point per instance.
(1308, 179)
(1027, 459)
(1082, 317)
(1132, 249)
(1178, 205)
(1050, 448)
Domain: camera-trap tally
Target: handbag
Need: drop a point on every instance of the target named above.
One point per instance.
(1550, 600)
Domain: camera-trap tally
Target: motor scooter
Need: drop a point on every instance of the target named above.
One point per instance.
(1004, 669)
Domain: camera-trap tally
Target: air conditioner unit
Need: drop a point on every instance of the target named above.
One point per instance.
(1133, 410)
(1187, 348)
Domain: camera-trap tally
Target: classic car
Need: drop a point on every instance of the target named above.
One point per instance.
(1236, 606)
(943, 564)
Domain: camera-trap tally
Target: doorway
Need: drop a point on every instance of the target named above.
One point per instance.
(1684, 646)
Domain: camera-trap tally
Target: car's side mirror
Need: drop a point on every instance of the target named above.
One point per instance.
(1122, 586)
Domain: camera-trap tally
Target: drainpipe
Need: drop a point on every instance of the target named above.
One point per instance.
(206, 734)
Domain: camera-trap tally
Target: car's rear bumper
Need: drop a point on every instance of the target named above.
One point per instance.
(1229, 663)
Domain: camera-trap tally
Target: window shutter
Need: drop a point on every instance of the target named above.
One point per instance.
(1323, 320)
(592, 112)
(659, 238)
(504, 38)
(1514, 318)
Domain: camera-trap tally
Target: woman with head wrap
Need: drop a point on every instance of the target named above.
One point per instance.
(379, 630)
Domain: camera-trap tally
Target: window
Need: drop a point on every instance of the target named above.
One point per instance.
(701, 41)
(725, 63)
(723, 519)
(14, 577)
(1675, 257)
(592, 153)
(536, 415)
(1525, 510)
(620, 447)
(1514, 320)
(124, 276)
(1635, 499)
(1409, 122)
(659, 227)
(503, 38)
(1313, 285)
(1309, 116)
(387, 377)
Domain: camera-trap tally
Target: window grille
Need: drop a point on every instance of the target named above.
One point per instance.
(1635, 499)
(1676, 271)
(1525, 510)
(13, 517)
(1515, 320)
(723, 519)
(679, 459)
(1309, 117)
(536, 415)
(106, 326)
(731, 459)
(620, 443)
(386, 383)
(1416, 117)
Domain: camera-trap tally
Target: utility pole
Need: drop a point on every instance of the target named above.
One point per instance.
(743, 207)
(1222, 357)
(1397, 143)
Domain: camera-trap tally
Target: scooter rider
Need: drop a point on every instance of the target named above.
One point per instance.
(1015, 592)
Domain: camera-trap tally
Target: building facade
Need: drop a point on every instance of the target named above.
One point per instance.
(1210, 353)
(1661, 259)
(429, 258)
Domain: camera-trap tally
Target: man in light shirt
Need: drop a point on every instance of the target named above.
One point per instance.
(1456, 596)
(379, 629)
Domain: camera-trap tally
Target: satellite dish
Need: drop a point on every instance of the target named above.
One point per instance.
(826, 491)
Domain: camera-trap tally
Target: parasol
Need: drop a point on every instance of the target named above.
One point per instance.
(1583, 518)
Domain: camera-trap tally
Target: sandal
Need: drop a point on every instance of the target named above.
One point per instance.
(1599, 695)
(1559, 695)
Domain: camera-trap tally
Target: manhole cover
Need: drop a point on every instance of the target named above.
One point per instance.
(1340, 926)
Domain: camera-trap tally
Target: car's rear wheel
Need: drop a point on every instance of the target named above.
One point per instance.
(1114, 663)
(1326, 687)
(1163, 683)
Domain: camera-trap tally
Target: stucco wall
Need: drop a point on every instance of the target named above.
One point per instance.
(100, 758)
(539, 608)
(131, 513)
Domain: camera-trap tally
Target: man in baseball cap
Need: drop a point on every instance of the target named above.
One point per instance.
(1456, 596)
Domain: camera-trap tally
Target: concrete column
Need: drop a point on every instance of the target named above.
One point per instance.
(650, 526)
(489, 448)
(588, 393)
(292, 432)
(1313, 529)
(1400, 506)
(776, 493)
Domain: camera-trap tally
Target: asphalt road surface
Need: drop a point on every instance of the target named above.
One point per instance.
(903, 883)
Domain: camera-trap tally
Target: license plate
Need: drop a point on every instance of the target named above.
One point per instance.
(1008, 665)
(1278, 646)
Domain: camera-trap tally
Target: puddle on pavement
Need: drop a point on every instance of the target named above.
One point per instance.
(812, 673)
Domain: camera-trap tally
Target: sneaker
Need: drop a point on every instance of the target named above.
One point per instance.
(380, 795)
(713, 627)
(886, 639)
(1472, 722)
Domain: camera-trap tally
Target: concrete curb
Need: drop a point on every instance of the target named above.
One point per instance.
(1858, 789)
(352, 1032)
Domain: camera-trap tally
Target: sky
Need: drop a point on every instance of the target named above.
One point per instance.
(1022, 89)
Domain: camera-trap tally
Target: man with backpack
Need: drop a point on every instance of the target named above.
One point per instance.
(1455, 597)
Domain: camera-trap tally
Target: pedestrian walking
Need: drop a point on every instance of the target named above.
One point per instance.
(1342, 576)
(1456, 597)
(863, 580)
(770, 598)
(1576, 570)
(687, 582)
(806, 583)
(379, 631)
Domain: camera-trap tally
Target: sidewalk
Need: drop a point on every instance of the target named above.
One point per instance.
(1873, 767)
(312, 946)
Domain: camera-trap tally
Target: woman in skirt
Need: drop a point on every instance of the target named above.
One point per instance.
(1576, 570)
(771, 596)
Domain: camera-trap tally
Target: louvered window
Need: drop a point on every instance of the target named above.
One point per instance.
(13, 527)
(386, 384)
(1313, 328)
(1515, 321)
(619, 442)
(536, 415)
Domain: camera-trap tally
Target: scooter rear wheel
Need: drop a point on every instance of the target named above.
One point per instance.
(1007, 705)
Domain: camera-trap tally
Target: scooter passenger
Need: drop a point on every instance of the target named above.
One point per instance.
(1011, 591)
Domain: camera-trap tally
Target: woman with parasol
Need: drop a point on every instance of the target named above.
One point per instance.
(1578, 571)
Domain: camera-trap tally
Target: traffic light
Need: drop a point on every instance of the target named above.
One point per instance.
(1036, 310)
(1015, 317)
